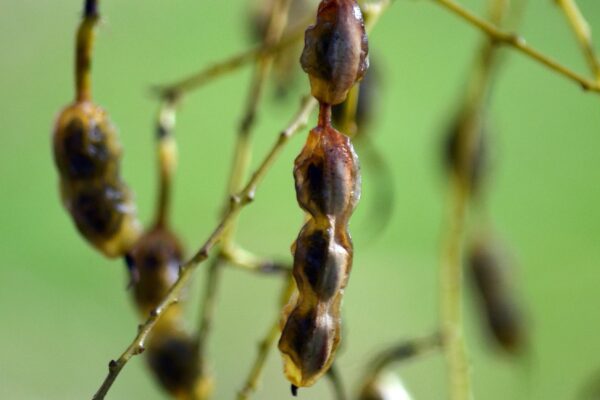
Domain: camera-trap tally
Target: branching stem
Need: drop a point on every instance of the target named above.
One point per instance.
(517, 42)
(265, 346)
(583, 33)
(243, 198)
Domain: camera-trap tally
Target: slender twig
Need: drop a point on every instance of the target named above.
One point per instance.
(243, 198)
(229, 65)
(517, 42)
(248, 261)
(207, 311)
(582, 31)
(451, 272)
(403, 351)
(265, 346)
(167, 158)
(451, 288)
(337, 384)
(239, 169)
(243, 146)
(83, 51)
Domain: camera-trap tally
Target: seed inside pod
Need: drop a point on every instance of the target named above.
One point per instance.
(336, 50)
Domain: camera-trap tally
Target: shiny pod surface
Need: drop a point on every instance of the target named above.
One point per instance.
(336, 49)
(328, 187)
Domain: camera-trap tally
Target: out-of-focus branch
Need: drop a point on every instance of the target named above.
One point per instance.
(518, 43)
(583, 33)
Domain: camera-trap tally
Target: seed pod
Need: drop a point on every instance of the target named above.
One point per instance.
(490, 278)
(465, 149)
(327, 187)
(172, 358)
(155, 261)
(170, 351)
(335, 50)
(87, 155)
(384, 387)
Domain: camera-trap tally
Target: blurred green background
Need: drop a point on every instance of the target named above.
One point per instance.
(65, 312)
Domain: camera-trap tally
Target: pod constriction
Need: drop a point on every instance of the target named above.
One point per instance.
(328, 188)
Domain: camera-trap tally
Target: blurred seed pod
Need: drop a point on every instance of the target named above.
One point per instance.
(465, 148)
(489, 272)
(154, 265)
(87, 154)
(386, 386)
(172, 358)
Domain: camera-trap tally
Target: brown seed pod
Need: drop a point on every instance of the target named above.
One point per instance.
(490, 278)
(328, 188)
(170, 351)
(154, 262)
(336, 49)
(87, 155)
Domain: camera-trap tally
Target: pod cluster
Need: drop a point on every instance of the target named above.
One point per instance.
(327, 181)
(170, 351)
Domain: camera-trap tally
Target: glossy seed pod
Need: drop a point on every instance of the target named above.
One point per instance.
(384, 387)
(336, 49)
(327, 175)
(490, 277)
(328, 188)
(154, 263)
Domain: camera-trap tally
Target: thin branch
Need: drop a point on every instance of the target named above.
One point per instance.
(167, 158)
(517, 42)
(337, 383)
(403, 351)
(243, 145)
(246, 260)
(451, 288)
(583, 33)
(207, 311)
(240, 165)
(243, 198)
(229, 65)
(265, 346)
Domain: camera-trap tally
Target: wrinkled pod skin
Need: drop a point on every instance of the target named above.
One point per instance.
(327, 187)
(87, 155)
(170, 351)
(336, 50)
